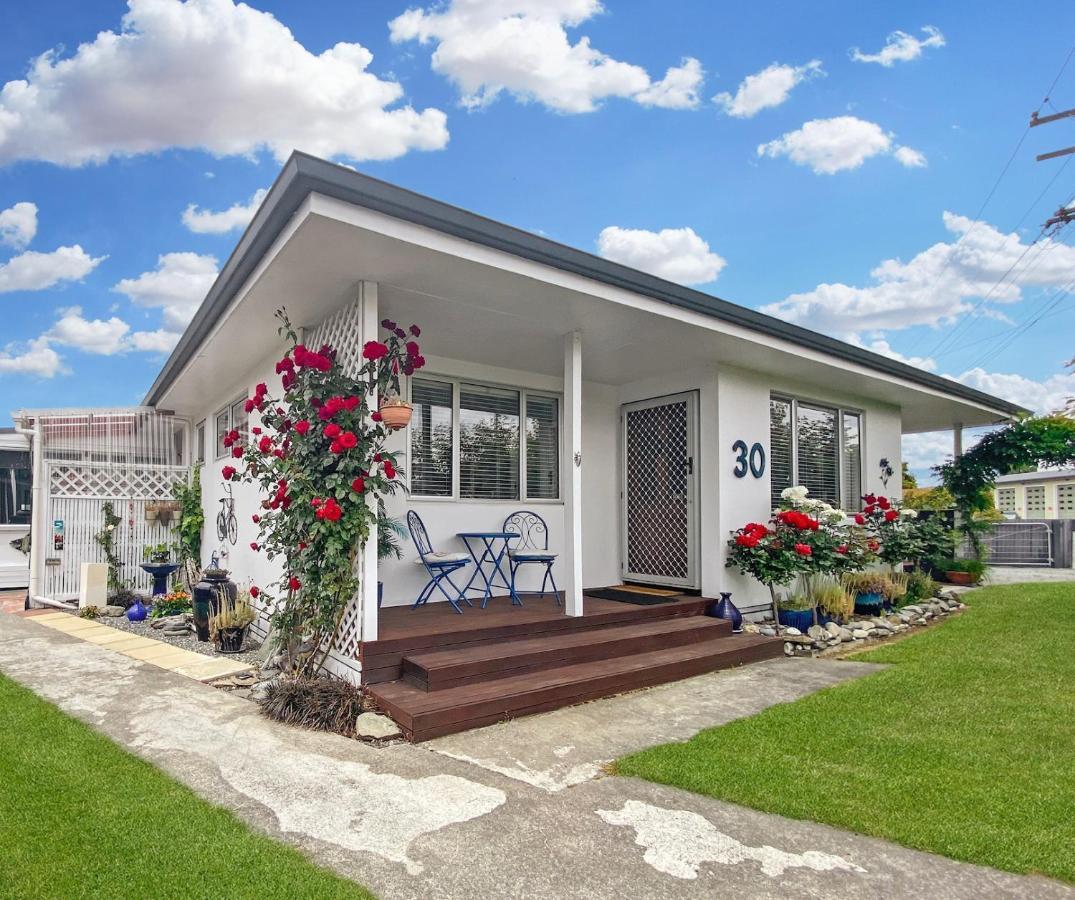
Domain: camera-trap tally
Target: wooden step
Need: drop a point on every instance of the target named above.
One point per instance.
(423, 715)
(439, 670)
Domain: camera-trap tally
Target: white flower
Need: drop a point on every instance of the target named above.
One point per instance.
(835, 515)
(111, 528)
(909, 513)
(798, 493)
(813, 504)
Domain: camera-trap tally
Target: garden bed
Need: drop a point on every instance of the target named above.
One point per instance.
(187, 641)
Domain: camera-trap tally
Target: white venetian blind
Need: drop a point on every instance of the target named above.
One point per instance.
(431, 438)
(852, 468)
(488, 443)
(542, 447)
(780, 455)
(819, 455)
(1035, 502)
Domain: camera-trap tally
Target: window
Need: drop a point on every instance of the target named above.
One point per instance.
(15, 486)
(231, 418)
(431, 438)
(483, 442)
(1035, 502)
(199, 442)
(818, 447)
(1006, 500)
(1065, 501)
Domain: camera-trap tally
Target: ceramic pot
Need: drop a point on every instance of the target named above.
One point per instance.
(230, 640)
(725, 609)
(137, 611)
(396, 415)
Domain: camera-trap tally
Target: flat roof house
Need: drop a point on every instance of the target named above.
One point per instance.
(1037, 495)
(641, 419)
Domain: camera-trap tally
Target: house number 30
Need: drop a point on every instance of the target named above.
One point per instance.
(750, 459)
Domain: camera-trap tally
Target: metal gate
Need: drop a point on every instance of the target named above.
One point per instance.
(660, 505)
(1020, 544)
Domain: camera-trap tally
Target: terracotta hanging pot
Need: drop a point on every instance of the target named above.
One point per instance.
(395, 413)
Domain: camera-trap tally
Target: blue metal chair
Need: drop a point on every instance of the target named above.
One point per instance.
(439, 565)
(531, 547)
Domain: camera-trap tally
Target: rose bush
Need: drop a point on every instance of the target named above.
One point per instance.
(318, 455)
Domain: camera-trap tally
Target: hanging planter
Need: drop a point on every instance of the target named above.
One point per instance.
(152, 512)
(395, 413)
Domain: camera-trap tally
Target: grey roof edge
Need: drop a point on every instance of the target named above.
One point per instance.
(303, 174)
(1041, 475)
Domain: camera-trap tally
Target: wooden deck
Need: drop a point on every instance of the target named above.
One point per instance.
(436, 672)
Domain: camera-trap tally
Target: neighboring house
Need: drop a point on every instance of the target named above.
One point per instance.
(657, 417)
(1037, 495)
(14, 509)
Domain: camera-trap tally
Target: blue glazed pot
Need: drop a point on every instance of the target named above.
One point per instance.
(873, 601)
(725, 609)
(797, 618)
(137, 612)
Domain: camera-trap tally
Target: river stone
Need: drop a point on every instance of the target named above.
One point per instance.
(112, 610)
(860, 634)
(792, 631)
(370, 726)
(845, 635)
(767, 630)
(817, 633)
(750, 628)
(832, 628)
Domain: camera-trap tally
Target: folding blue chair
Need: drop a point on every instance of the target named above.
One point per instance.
(439, 565)
(531, 547)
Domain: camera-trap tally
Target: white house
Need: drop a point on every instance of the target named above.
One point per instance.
(658, 417)
(1049, 494)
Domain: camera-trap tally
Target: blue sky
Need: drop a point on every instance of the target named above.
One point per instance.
(802, 148)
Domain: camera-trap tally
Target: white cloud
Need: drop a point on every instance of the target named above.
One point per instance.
(677, 254)
(769, 87)
(238, 215)
(1047, 396)
(923, 451)
(208, 74)
(912, 159)
(901, 47)
(18, 225)
(99, 336)
(936, 286)
(34, 358)
(834, 145)
(522, 47)
(678, 89)
(33, 271)
(178, 285)
(159, 341)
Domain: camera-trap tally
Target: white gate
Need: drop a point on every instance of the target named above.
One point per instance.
(1020, 544)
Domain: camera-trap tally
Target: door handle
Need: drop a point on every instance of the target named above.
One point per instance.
(690, 465)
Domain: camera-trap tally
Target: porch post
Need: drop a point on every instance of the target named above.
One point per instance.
(368, 318)
(573, 481)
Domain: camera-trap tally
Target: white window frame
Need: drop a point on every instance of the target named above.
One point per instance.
(1009, 494)
(1044, 494)
(226, 409)
(200, 432)
(840, 411)
(454, 497)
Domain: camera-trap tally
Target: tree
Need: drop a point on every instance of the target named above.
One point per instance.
(909, 480)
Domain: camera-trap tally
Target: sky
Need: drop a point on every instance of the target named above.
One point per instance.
(865, 170)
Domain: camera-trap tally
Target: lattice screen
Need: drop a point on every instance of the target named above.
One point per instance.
(106, 482)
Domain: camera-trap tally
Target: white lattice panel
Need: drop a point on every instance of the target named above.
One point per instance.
(105, 482)
(343, 332)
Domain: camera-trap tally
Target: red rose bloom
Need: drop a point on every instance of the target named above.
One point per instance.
(883, 502)
(237, 451)
(330, 510)
(249, 406)
(348, 440)
(351, 403)
(413, 349)
(389, 470)
(376, 416)
(265, 444)
(746, 540)
(256, 518)
(842, 548)
(860, 519)
(324, 414)
(255, 430)
(336, 447)
(358, 485)
(254, 591)
(254, 546)
(332, 431)
(374, 350)
(228, 472)
(803, 549)
(891, 515)
(294, 583)
(874, 546)
(416, 331)
(302, 426)
(261, 389)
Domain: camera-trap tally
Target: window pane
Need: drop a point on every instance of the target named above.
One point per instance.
(199, 442)
(852, 474)
(542, 447)
(1006, 500)
(1035, 502)
(818, 452)
(431, 438)
(488, 443)
(221, 433)
(1065, 501)
(239, 419)
(779, 447)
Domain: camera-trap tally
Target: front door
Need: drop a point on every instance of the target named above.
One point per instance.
(660, 503)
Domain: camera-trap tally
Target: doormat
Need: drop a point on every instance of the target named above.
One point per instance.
(629, 593)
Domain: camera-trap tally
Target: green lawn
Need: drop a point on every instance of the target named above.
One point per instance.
(79, 817)
(965, 747)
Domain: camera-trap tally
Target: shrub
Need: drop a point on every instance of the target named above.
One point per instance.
(866, 582)
(971, 566)
(89, 612)
(796, 603)
(170, 604)
(833, 598)
(897, 588)
(920, 587)
(324, 704)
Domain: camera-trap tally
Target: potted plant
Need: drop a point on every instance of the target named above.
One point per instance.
(228, 625)
(961, 571)
(171, 604)
(395, 412)
(157, 553)
(796, 611)
(389, 533)
(869, 590)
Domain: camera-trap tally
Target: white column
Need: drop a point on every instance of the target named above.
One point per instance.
(38, 513)
(573, 465)
(957, 440)
(367, 299)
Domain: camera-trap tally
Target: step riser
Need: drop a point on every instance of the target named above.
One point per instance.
(424, 726)
(487, 670)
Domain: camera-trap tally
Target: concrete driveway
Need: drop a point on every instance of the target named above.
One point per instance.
(518, 810)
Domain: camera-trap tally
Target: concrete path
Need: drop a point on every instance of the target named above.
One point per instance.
(1026, 574)
(413, 822)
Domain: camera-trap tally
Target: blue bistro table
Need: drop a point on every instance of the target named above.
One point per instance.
(488, 548)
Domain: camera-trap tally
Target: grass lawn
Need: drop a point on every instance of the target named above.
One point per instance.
(965, 747)
(79, 817)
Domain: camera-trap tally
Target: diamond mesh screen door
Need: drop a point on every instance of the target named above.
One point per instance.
(660, 485)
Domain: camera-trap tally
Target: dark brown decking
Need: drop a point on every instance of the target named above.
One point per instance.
(437, 672)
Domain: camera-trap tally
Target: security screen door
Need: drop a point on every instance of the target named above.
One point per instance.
(660, 502)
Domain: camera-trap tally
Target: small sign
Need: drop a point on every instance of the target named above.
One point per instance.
(57, 535)
(52, 561)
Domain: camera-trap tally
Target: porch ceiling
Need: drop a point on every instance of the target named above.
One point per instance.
(483, 308)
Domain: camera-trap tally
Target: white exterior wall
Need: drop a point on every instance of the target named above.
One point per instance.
(1052, 498)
